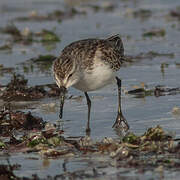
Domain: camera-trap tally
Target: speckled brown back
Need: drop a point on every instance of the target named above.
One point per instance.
(84, 53)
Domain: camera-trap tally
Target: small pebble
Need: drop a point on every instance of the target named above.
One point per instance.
(176, 110)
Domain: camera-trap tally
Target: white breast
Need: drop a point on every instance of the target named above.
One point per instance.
(95, 79)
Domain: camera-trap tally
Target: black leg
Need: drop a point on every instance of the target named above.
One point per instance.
(89, 110)
(120, 122)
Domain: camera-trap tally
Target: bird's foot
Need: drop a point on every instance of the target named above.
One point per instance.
(121, 123)
(88, 131)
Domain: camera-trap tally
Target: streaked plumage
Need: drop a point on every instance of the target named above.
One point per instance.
(89, 64)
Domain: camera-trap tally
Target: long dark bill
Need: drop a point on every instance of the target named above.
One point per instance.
(63, 91)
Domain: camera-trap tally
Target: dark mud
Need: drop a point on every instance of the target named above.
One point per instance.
(18, 90)
(6, 70)
(175, 13)
(10, 121)
(157, 91)
(155, 33)
(6, 171)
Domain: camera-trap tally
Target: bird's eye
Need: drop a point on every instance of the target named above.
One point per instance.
(70, 76)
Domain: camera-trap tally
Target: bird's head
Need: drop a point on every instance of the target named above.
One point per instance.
(116, 43)
(66, 74)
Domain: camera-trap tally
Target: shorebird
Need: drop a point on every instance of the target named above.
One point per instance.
(88, 65)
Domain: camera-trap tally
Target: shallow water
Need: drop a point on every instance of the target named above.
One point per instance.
(141, 113)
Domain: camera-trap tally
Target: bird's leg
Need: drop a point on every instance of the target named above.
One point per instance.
(120, 122)
(89, 110)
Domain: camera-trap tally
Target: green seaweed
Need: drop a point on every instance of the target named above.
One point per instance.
(2, 145)
(55, 141)
(131, 138)
(155, 134)
(156, 33)
(36, 141)
(49, 36)
(5, 48)
(44, 58)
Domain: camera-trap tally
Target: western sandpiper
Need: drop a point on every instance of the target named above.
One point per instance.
(88, 65)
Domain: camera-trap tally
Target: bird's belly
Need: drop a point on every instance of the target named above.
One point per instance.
(99, 77)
